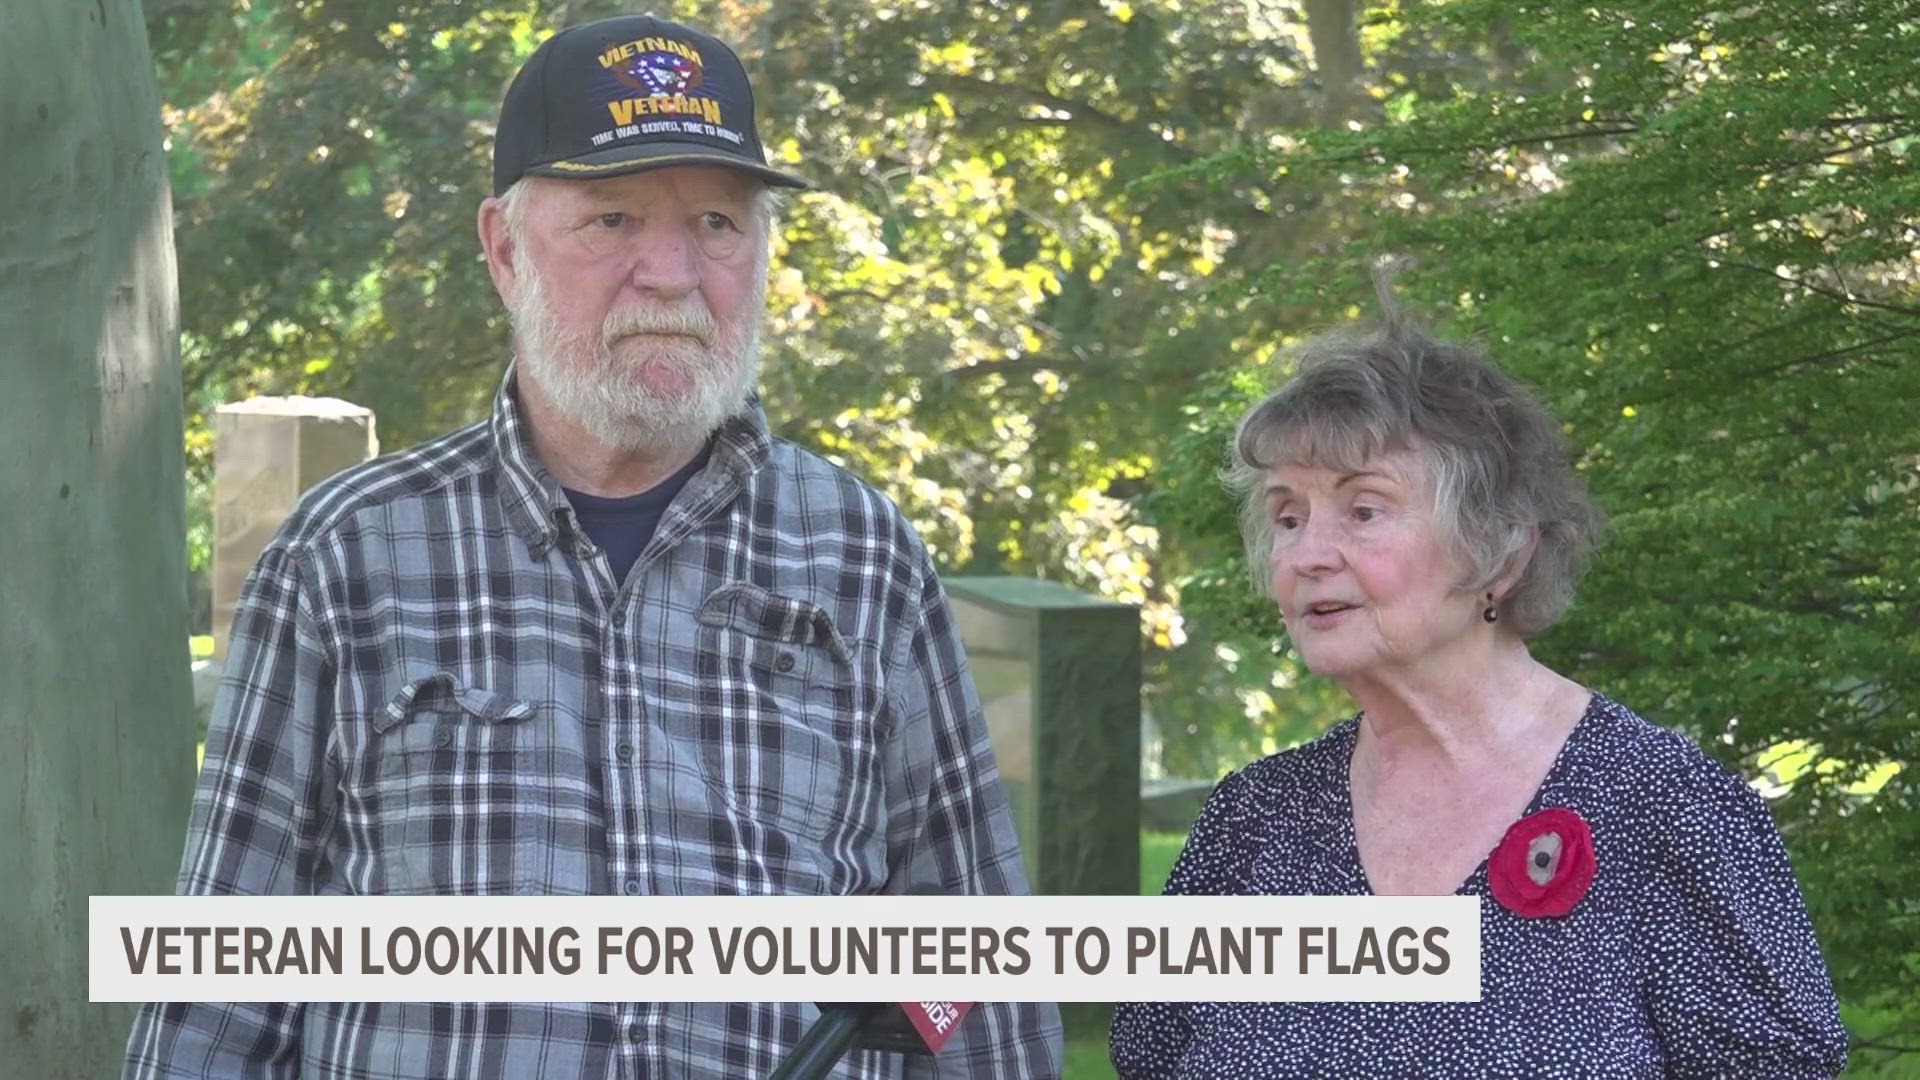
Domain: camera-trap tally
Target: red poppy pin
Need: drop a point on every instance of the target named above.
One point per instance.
(1544, 865)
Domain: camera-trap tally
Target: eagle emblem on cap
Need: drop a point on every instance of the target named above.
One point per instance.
(659, 74)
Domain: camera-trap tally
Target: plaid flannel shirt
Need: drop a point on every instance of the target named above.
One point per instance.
(435, 686)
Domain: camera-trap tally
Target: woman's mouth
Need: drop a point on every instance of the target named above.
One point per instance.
(1325, 614)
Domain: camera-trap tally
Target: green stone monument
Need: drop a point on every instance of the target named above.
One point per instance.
(1059, 678)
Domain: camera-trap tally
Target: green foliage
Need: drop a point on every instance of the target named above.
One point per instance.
(982, 307)
(1087, 1060)
(1886, 1038)
(1056, 243)
(1692, 229)
(1158, 851)
(1235, 656)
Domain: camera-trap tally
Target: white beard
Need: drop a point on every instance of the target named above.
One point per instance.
(585, 381)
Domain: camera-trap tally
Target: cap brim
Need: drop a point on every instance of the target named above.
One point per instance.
(621, 160)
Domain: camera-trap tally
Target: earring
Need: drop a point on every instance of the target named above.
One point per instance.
(1492, 613)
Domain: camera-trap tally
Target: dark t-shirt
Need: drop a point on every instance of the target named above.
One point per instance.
(621, 526)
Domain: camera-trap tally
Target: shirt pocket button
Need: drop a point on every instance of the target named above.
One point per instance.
(784, 662)
(444, 750)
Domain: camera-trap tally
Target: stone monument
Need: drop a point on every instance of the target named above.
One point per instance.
(267, 451)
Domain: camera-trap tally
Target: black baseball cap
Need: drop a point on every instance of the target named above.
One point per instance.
(626, 94)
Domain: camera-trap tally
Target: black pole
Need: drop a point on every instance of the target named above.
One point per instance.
(824, 1044)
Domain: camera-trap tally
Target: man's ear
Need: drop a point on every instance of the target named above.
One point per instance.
(496, 242)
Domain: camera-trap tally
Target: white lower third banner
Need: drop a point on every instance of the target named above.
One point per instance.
(784, 948)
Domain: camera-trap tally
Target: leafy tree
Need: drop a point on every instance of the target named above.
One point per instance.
(1691, 227)
(1055, 242)
(975, 308)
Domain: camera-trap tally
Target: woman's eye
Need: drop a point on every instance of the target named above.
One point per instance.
(1286, 522)
(1364, 514)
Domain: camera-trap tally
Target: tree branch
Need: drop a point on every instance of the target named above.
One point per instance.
(1012, 367)
(1835, 354)
(1874, 1044)
(1848, 121)
(833, 295)
(1078, 110)
(1081, 113)
(1843, 297)
(1798, 361)
(1497, 144)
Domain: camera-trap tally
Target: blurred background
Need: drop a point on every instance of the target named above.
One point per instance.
(1054, 246)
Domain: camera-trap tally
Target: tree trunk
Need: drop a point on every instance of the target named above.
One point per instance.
(1333, 26)
(96, 726)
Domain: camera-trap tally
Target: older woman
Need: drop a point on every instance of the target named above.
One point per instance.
(1412, 511)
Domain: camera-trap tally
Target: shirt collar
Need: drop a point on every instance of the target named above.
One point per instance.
(536, 507)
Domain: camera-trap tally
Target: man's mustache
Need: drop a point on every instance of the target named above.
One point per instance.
(693, 322)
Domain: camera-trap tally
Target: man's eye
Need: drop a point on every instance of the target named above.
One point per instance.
(1365, 514)
(612, 219)
(717, 221)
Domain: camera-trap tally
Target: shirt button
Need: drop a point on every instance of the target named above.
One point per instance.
(624, 751)
(631, 888)
(784, 662)
(443, 737)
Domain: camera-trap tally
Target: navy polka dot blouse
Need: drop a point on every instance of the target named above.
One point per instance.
(1690, 956)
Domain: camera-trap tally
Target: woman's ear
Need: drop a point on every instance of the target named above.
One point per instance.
(1517, 566)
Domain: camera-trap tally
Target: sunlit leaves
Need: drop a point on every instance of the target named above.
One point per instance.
(1693, 228)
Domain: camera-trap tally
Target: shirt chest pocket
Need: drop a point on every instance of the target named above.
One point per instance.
(783, 733)
(466, 791)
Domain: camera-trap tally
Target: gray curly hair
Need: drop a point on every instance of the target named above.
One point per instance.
(1499, 471)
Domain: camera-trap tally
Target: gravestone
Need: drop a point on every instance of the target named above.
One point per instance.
(1058, 673)
(267, 451)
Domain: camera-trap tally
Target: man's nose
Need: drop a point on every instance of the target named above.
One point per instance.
(666, 261)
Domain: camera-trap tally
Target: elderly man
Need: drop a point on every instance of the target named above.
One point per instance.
(614, 639)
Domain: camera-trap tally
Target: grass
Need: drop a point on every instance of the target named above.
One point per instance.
(1157, 852)
(1087, 1060)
